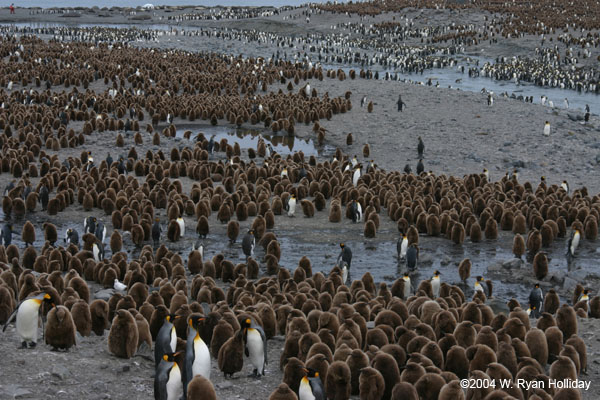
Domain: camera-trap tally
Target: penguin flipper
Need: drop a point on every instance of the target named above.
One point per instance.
(246, 351)
(264, 339)
(12, 317)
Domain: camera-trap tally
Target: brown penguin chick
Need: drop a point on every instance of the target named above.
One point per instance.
(567, 394)
(81, 287)
(404, 391)
(123, 335)
(116, 241)
(451, 391)
(566, 320)
(349, 139)
(173, 231)
(563, 368)
(293, 373)
(554, 339)
(387, 366)
(221, 333)
(82, 318)
(366, 150)
(594, 311)
(338, 385)
(200, 388)
(371, 384)
(507, 356)
(538, 346)
(60, 329)
(319, 363)
(50, 234)
(335, 212)
(429, 385)
(233, 230)
(465, 334)
(534, 242)
(491, 229)
(518, 248)
(487, 337)
(457, 361)
(144, 335)
(457, 234)
(308, 208)
(202, 227)
(99, 311)
(370, 230)
(570, 352)
(356, 361)
(551, 302)
(515, 328)
(231, 354)
(28, 233)
(540, 265)
(475, 233)
(464, 270)
(283, 392)
(545, 321)
(480, 356)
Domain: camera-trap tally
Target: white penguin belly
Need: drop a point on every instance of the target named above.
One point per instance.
(173, 342)
(27, 320)
(174, 385)
(403, 248)
(201, 365)
(256, 350)
(305, 391)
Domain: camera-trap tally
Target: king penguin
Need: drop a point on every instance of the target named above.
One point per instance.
(290, 206)
(181, 224)
(71, 236)
(7, 232)
(479, 281)
(356, 211)
(197, 356)
(256, 346)
(248, 243)
(408, 289)
(412, 255)
(166, 339)
(572, 245)
(89, 225)
(402, 247)
(565, 186)
(27, 315)
(356, 175)
(435, 284)
(156, 231)
(547, 129)
(311, 386)
(345, 255)
(98, 251)
(100, 231)
(167, 380)
(536, 300)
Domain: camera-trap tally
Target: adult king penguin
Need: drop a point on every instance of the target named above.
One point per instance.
(197, 356)
(345, 255)
(536, 300)
(435, 284)
(290, 206)
(248, 243)
(311, 387)
(156, 231)
(256, 346)
(402, 247)
(167, 380)
(356, 211)
(27, 315)
(547, 129)
(412, 255)
(572, 244)
(166, 339)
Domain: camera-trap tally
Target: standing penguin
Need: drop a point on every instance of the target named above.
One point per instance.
(60, 328)
(565, 186)
(480, 288)
(248, 243)
(290, 206)
(44, 197)
(167, 381)
(181, 224)
(400, 103)
(356, 211)
(27, 315)
(407, 287)
(345, 255)
(490, 99)
(71, 236)
(420, 147)
(256, 346)
(98, 251)
(7, 232)
(420, 167)
(156, 231)
(311, 386)
(536, 301)
(435, 284)
(197, 356)
(166, 339)
(586, 117)
(547, 129)
(356, 175)
(572, 244)
(402, 247)
(412, 255)
(89, 225)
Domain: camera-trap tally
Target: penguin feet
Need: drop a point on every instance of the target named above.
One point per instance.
(254, 374)
(32, 345)
(24, 345)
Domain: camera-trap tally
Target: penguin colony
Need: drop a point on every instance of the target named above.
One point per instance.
(203, 310)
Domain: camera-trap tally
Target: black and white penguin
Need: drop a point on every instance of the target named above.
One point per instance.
(479, 286)
(89, 225)
(121, 167)
(98, 251)
(71, 236)
(7, 232)
(547, 129)
(311, 386)
(345, 272)
(109, 160)
(400, 103)
(356, 174)
(407, 288)
(412, 255)
(565, 186)
(586, 117)
(100, 231)
(371, 167)
(166, 339)
(487, 174)
(9, 187)
(420, 167)
(255, 345)
(435, 283)
(345, 255)
(356, 211)
(420, 147)
(290, 206)
(167, 381)
(536, 301)
(156, 231)
(44, 197)
(27, 315)
(211, 145)
(402, 247)
(490, 99)
(572, 244)
(181, 224)
(197, 355)
(363, 101)
(407, 169)
(248, 243)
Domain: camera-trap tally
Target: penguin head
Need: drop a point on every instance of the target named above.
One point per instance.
(480, 278)
(543, 178)
(170, 357)
(251, 232)
(172, 317)
(537, 285)
(342, 245)
(194, 320)
(246, 323)
(436, 274)
(406, 278)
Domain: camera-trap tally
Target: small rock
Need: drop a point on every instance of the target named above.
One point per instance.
(494, 268)
(445, 260)
(515, 263)
(569, 283)
(224, 385)
(104, 294)
(60, 372)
